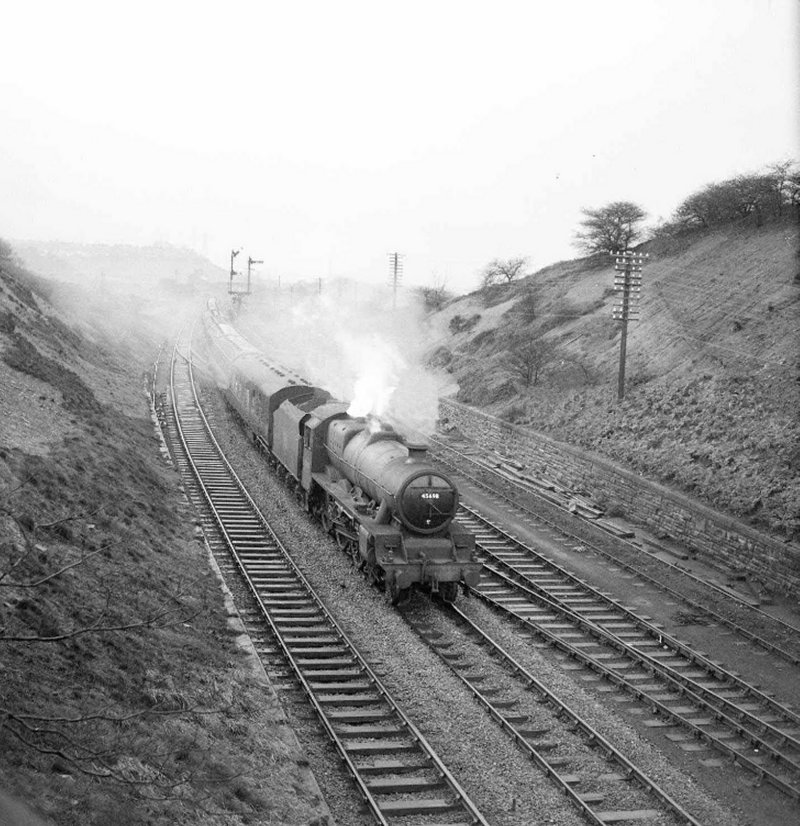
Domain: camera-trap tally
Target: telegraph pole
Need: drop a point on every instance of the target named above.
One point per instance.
(395, 273)
(628, 282)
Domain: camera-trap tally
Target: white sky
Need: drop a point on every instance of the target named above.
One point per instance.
(320, 136)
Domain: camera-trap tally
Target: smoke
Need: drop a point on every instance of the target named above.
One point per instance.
(131, 298)
(360, 351)
(379, 367)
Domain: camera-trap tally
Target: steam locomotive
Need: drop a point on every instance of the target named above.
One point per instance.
(376, 493)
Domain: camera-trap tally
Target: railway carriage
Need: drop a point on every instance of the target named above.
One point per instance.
(378, 495)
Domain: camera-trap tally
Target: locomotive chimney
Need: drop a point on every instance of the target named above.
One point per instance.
(379, 431)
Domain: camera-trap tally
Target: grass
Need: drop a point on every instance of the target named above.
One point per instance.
(183, 733)
(710, 403)
(124, 698)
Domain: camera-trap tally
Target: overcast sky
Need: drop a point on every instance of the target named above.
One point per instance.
(321, 136)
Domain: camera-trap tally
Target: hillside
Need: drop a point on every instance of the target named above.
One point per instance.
(113, 632)
(712, 394)
(135, 268)
(125, 694)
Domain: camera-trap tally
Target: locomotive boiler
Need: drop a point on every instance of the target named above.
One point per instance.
(376, 493)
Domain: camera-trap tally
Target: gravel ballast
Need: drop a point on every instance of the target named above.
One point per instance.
(506, 786)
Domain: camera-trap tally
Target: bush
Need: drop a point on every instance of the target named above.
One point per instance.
(485, 337)
(441, 358)
(459, 324)
(495, 294)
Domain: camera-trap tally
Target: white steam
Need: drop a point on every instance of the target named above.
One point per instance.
(364, 353)
(379, 366)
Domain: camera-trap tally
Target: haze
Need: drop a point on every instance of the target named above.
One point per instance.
(372, 356)
(322, 136)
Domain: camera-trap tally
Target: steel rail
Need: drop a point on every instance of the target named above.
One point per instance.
(595, 739)
(589, 738)
(621, 681)
(657, 705)
(655, 633)
(225, 473)
(631, 568)
(651, 630)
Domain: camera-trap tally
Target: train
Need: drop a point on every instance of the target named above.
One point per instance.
(374, 491)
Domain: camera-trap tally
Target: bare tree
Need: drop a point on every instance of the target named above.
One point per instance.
(780, 175)
(761, 196)
(436, 295)
(503, 269)
(611, 228)
(793, 193)
(527, 357)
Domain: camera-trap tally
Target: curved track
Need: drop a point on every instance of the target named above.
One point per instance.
(455, 460)
(396, 771)
(602, 784)
(681, 685)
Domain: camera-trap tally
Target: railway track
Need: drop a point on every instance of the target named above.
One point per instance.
(394, 768)
(455, 460)
(302, 647)
(602, 784)
(679, 684)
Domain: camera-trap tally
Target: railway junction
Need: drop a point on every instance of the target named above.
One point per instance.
(579, 675)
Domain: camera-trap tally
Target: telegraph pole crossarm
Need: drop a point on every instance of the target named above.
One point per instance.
(396, 274)
(628, 282)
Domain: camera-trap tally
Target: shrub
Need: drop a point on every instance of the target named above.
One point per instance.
(459, 324)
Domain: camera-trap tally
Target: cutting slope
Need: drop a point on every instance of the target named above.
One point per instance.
(712, 395)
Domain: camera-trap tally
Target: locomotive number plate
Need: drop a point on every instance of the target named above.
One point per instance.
(429, 496)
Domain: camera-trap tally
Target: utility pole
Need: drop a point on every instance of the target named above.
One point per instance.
(628, 282)
(395, 273)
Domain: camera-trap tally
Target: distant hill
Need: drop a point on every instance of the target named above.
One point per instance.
(123, 294)
(121, 679)
(712, 393)
(119, 264)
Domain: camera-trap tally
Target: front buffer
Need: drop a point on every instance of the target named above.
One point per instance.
(438, 564)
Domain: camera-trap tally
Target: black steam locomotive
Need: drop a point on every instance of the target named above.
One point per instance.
(377, 494)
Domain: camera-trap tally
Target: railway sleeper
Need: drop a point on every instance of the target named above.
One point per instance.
(624, 816)
(381, 746)
(415, 806)
(359, 715)
(332, 676)
(350, 700)
(354, 686)
(375, 731)
(399, 785)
